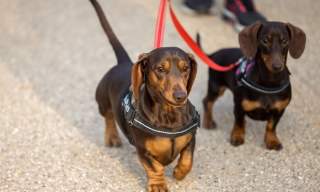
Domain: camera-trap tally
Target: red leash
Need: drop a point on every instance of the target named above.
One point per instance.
(185, 36)
(160, 25)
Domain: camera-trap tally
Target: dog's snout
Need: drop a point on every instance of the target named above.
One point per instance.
(277, 66)
(179, 96)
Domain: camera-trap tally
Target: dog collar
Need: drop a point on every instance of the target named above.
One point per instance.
(134, 119)
(242, 73)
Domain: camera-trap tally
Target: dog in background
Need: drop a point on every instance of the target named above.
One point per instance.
(159, 82)
(260, 85)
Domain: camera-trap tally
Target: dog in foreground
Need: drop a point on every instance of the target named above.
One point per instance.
(260, 85)
(149, 102)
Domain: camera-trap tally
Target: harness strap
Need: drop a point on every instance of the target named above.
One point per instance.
(261, 89)
(134, 119)
(242, 74)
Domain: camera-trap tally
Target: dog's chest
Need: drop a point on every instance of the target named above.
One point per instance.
(166, 149)
(264, 106)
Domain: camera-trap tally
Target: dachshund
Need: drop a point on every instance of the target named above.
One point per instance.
(260, 84)
(156, 89)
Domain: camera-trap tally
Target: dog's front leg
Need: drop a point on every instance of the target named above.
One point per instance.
(185, 161)
(238, 132)
(270, 138)
(155, 172)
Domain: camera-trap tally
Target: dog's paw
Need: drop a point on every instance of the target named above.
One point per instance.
(179, 174)
(274, 146)
(237, 140)
(237, 136)
(273, 143)
(113, 142)
(207, 124)
(161, 187)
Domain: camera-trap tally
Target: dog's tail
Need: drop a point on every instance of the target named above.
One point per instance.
(121, 53)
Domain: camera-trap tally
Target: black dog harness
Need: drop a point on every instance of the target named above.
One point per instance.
(134, 119)
(242, 74)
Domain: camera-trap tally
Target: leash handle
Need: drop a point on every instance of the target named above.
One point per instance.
(193, 45)
(160, 24)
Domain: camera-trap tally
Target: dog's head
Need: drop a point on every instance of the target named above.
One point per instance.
(167, 74)
(272, 41)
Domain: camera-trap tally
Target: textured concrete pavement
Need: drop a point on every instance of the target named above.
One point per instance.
(52, 55)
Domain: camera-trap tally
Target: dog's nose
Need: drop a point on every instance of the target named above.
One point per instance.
(277, 67)
(179, 96)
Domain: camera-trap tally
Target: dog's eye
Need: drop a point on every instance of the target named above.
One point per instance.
(160, 69)
(185, 68)
(265, 41)
(284, 42)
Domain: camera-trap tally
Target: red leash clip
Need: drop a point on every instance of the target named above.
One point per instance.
(185, 36)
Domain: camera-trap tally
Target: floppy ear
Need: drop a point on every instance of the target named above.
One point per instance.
(297, 41)
(137, 74)
(193, 72)
(248, 39)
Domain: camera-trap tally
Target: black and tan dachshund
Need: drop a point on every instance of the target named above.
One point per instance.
(260, 85)
(160, 82)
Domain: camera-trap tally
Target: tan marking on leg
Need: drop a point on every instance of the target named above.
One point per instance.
(184, 164)
(182, 141)
(208, 119)
(111, 136)
(208, 122)
(271, 140)
(155, 173)
(280, 105)
(248, 105)
(237, 135)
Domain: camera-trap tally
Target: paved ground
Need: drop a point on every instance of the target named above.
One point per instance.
(52, 55)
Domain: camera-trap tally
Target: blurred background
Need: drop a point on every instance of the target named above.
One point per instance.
(53, 54)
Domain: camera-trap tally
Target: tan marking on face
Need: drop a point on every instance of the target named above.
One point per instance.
(166, 65)
(158, 85)
(248, 105)
(182, 64)
(280, 105)
(267, 59)
(169, 88)
(167, 82)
